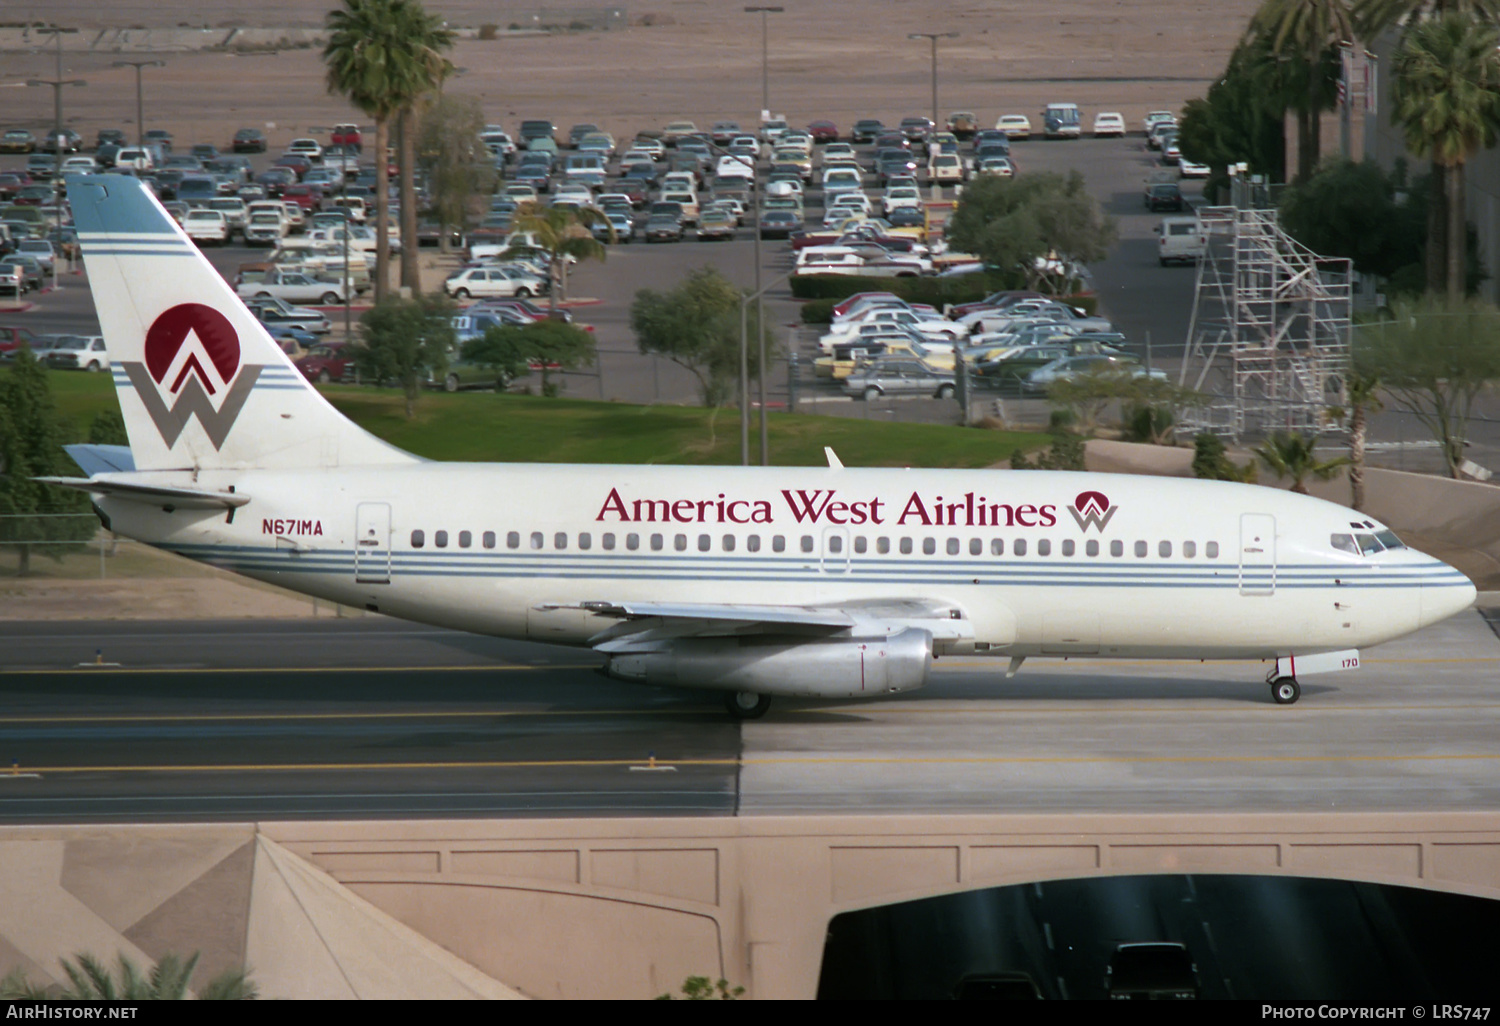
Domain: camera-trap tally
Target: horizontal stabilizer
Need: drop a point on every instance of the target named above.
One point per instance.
(101, 459)
(154, 495)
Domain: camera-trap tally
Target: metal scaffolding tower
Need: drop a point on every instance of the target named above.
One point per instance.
(1269, 336)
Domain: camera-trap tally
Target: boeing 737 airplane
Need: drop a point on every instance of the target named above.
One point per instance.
(827, 582)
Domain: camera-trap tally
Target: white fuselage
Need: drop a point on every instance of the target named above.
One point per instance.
(1160, 568)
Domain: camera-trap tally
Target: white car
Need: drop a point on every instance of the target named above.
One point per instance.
(204, 225)
(1192, 169)
(945, 167)
(134, 157)
(493, 282)
(80, 166)
(265, 227)
(732, 166)
(293, 287)
(1109, 123)
(309, 148)
(1150, 120)
(901, 196)
(1015, 126)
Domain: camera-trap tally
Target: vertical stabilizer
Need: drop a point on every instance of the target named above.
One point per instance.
(200, 382)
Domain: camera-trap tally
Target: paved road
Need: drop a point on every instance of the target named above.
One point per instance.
(377, 718)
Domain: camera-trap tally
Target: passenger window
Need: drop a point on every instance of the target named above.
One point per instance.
(1044, 547)
(752, 543)
(1141, 548)
(418, 539)
(807, 543)
(513, 539)
(929, 546)
(952, 546)
(778, 543)
(906, 546)
(705, 543)
(1164, 549)
(976, 547)
(1019, 548)
(1211, 550)
(835, 543)
(729, 543)
(679, 542)
(536, 539)
(882, 545)
(465, 539)
(997, 546)
(608, 541)
(1067, 547)
(632, 542)
(1189, 550)
(489, 539)
(440, 539)
(585, 540)
(861, 544)
(1117, 548)
(656, 542)
(560, 540)
(1367, 544)
(1091, 548)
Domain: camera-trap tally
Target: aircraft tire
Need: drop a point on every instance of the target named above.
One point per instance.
(747, 705)
(1285, 690)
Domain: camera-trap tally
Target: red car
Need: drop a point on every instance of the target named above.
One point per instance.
(298, 163)
(823, 132)
(308, 197)
(325, 362)
(346, 135)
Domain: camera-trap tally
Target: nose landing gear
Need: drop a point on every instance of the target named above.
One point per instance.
(1284, 690)
(747, 705)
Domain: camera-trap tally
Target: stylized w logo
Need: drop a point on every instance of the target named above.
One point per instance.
(1092, 509)
(193, 400)
(194, 351)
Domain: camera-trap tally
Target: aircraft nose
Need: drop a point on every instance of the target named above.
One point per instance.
(1441, 602)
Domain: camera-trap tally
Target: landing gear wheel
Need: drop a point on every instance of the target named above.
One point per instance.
(747, 705)
(1285, 690)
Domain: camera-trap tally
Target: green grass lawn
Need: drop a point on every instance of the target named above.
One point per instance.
(485, 427)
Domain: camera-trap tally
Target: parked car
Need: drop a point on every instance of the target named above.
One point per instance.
(716, 223)
(866, 130)
(898, 375)
(1070, 368)
(349, 137)
(484, 282)
(249, 140)
(293, 287)
(39, 250)
(79, 352)
(278, 313)
(963, 124)
(1015, 126)
(326, 362)
(17, 140)
(664, 227)
(823, 131)
(1180, 239)
(1109, 123)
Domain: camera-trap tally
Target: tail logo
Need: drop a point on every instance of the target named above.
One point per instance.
(1092, 509)
(192, 360)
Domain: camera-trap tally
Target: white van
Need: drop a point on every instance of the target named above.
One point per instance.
(1180, 238)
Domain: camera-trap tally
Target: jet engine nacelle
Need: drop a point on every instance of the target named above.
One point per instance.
(834, 668)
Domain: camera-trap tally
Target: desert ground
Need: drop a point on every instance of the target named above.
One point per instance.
(696, 60)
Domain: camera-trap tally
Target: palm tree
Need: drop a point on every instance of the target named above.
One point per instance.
(1373, 18)
(561, 234)
(1291, 455)
(430, 36)
(1446, 92)
(380, 55)
(1302, 31)
(91, 980)
(1361, 391)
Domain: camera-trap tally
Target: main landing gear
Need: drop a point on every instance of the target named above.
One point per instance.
(1284, 690)
(747, 705)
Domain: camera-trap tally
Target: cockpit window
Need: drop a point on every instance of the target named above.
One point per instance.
(1389, 539)
(1344, 543)
(1368, 544)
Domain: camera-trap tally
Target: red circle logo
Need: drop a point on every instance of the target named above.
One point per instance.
(1091, 502)
(215, 334)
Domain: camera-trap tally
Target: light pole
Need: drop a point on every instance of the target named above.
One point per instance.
(140, 118)
(348, 222)
(933, 37)
(750, 165)
(57, 86)
(765, 72)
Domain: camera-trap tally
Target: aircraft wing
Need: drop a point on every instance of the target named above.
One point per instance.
(640, 623)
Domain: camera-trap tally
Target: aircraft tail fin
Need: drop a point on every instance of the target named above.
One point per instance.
(201, 384)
